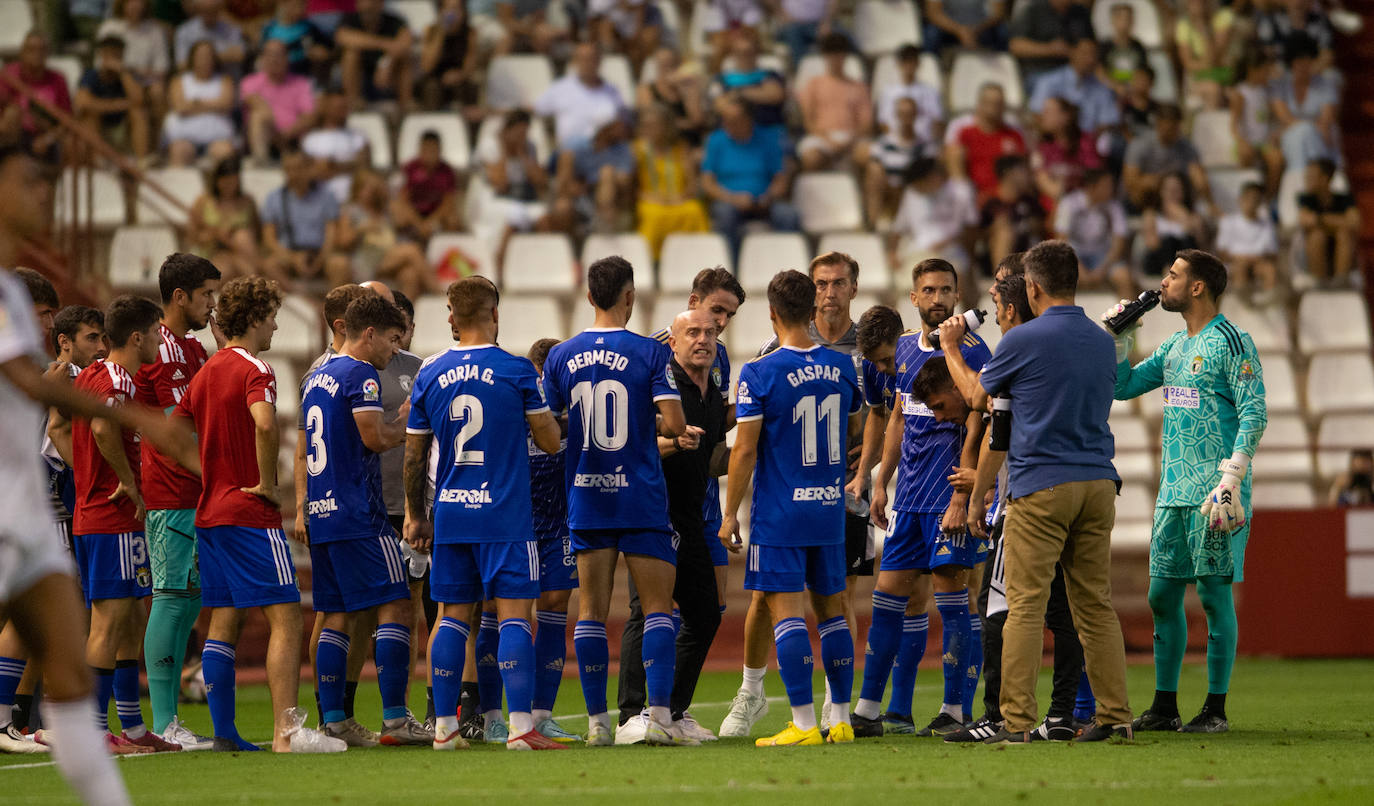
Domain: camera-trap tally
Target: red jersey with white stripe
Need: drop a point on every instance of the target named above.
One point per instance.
(95, 479)
(162, 385)
(218, 401)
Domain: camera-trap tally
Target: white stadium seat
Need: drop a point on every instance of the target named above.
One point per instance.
(886, 74)
(16, 20)
(1131, 536)
(629, 245)
(136, 254)
(583, 315)
(1285, 452)
(1146, 28)
(433, 333)
(104, 192)
(764, 254)
(1136, 503)
(489, 133)
(812, 65)
(477, 251)
(973, 69)
(1338, 382)
(70, 68)
(1165, 90)
(258, 183)
(882, 26)
(527, 319)
(1332, 320)
(300, 328)
(1280, 383)
(1131, 434)
(288, 385)
(746, 335)
(1155, 328)
(517, 80)
(378, 134)
(184, 184)
(867, 250)
(1226, 184)
(1268, 327)
(1337, 436)
(1211, 135)
(616, 71)
(418, 14)
(538, 262)
(453, 137)
(686, 253)
(1283, 495)
(828, 202)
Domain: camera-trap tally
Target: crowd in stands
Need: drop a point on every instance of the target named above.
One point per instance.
(713, 138)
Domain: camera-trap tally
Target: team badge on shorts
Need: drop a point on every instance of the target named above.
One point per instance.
(143, 577)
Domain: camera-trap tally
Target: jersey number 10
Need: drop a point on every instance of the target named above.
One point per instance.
(605, 409)
(810, 416)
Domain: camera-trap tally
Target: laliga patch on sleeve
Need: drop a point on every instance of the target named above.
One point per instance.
(371, 391)
(742, 393)
(1182, 397)
(668, 373)
(1247, 370)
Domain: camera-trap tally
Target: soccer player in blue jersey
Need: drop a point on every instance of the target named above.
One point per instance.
(356, 561)
(477, 402)
(928, 544)
(619, 392)
(797, 408)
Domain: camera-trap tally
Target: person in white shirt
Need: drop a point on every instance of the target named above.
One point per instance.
(936, 218)
(930, 109)
(889, 160)
(580, 101)
(1248, 244)
(337, 149)
(1093, 221)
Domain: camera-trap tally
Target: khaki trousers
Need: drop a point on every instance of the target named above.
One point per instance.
(1070, 524)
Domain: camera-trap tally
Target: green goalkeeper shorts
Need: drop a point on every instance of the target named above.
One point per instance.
(172, 549)
(1182, 547)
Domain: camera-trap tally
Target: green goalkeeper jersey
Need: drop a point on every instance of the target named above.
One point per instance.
(1213, 406)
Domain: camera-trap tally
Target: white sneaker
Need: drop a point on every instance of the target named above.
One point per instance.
(666, 735)
(746, 709)
(632, 732)
(177, 733)
(309, 740)
(688, 726)
(825, 716)
(599, 735)
(12, 741)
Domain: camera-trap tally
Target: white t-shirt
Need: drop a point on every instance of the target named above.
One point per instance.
(929, 108)
(1089, 227)
(337, 145)
(578, 110)
(927, 221)
(1246, 237)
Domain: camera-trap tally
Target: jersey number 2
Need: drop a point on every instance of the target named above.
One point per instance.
(468, 409)
(810, 415)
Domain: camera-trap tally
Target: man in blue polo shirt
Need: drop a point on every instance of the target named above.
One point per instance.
(1058, 371)
(746, 174)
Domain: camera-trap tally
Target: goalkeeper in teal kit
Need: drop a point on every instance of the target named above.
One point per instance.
(1214, 415)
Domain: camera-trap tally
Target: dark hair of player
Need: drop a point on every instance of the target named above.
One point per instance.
(403, 302)
(539, 352)
(1014, 264)
(244, 303)
(1053, 265)
(1011, 290)
(709, 281)
(835, 259)
(184, 271)
(1206, 267)
(933, 264)
(606, 280)
(877, 326)
(336, 302)
(40, 288)
(372, 311)
(128, 315)
(471, 300)
(931, 379)
(792, 296)
(70, 319)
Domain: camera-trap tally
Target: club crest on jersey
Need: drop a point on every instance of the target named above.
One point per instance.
(1197, 364)
(371, 391)
(715, 376)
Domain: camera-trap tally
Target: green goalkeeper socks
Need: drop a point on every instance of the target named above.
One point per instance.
(170, 621)
(1220, 607)
(1171, 630)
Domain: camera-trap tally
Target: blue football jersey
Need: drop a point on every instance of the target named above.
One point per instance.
(474, 400)
(548, 495)
(804, 398)
(609, 381)
(720, 373)
(880, 389)
(343, 483)
(930, 449)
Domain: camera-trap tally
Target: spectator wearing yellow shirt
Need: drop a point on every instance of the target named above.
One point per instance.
(668, 187)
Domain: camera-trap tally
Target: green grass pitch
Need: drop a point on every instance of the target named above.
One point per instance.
(1301, 733)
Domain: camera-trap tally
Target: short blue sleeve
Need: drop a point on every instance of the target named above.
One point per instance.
(531, 390)
(873, 383)
(553, 386)
(711, 163)
(750, 394)
(851, 379)
(723, 361)
(363, 389)
(664, 385)
(418, 421)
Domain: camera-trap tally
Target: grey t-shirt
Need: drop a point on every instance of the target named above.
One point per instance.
(396, 381)
(1151, 156)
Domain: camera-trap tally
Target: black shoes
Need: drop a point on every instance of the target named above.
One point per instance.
(1207, 721)
(1100, 733)
(1153, 720)
(1055, 729)
(942, 725)
(979, 731)
(865, 728)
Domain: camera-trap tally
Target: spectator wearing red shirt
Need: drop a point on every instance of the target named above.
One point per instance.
(18, 115)
(975, 143)
(1065, 153)
(428, 203)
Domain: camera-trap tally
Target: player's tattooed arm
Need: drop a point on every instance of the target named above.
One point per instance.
(414, 475)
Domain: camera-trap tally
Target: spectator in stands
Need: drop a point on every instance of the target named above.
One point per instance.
(1138, 108)
(631, 27)
(1150, 157)
(800, 24)
(375, 62)
(1122, 54)
(519, 182)
(601, 173)
(1202, 38)
(526, 23)
(1042, 33)
(1077, 83)
(202, 107)
(936, 218)
(223, 225)
(727, 20)
(975, 142)
(889, 165)
(1252, 120)
(930, 109)
(1306, 106)
(1330, 225)
(300, 227)
(280, 104)
(309, 51)
(837, 112)
(969, 24)
(1093, 221)
(680, 90)
(668, 186)
(581, 101)
(1355, 487)
(764, 91)
(327, 14)
(1247, 242)
(1277, 26)
(110, 100)
(428, 201)
(230, 49)
(1065, 152)
(375, 249)
(746, 175)
(449, 55)
(1013, 217)
(19, 118)
(145, 50)
(1170, 222)
(337, 149)
(73, 20)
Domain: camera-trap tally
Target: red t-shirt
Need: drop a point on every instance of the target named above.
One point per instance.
(162, 385)
(95, 479)
(52, 87)
(427, 187)
(218, 401)
(981, 151)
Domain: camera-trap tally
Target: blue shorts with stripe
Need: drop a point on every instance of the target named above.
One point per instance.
(661, 544)
(243, 566)
(720, 555)
(916, 543)
(113, 566)
(351, 575)
(791, 569)
(557, 563)
(462, 573)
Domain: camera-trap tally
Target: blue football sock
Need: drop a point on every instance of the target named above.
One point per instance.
(915, 629)
(550, 650)
(677, 621)
(516, 662)
(794, 660)
(953, 607)
(593, 656)
(1084, 704)
(659, 650)
(446, 659)
(104, 690)
(393, 667)
(837, 653)
(973, 669)
(488, 672)
(331, 667)
(126, 695)
(884, 638)
(11, 672)
(217, 666)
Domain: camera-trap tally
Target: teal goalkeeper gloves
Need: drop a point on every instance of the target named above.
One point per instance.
(1223, 509)
(1124, 341)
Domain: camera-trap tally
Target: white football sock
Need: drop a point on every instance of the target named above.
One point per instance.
(490, 718)
(520, 723)
(804, 716)
(539, 715)
(81, 756)
(753, 680)
(868, 709)
(839, 713)
(956, 711)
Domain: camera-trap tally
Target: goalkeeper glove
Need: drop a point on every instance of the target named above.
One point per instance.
(1223, 510)
(1124, 341)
